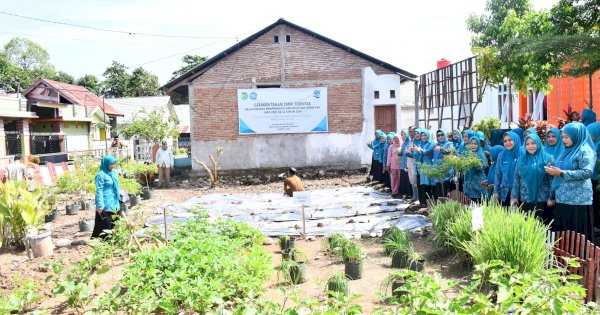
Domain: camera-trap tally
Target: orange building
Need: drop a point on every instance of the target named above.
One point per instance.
(565, 91)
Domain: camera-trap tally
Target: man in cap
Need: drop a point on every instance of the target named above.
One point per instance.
(292, 183)
(164, 161)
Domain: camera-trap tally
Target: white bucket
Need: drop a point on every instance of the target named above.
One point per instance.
(41, 244)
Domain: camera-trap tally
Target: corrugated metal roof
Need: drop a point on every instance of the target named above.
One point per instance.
(131, 107)
(183, 114)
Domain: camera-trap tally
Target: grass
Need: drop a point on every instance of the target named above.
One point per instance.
(396, 241)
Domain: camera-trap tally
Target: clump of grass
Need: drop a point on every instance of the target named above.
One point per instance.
(396, 241)
(515, 237)
(352, 252)
(337, 284)
(335, 242)
(443, 215)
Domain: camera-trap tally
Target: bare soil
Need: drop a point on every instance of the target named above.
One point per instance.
(377, 265)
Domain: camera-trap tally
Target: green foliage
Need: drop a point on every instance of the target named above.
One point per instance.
(459, 232)
(152, 127)
(181, 152)
(337, 284)
(190, 62)
(207, 267)
(396, 241)
(64, 77)
(460, 163)
(28, 62)
(81, 180)
(19, 209)
(131, 169)
(442, 215)
(91, 83)
(486, 125)
(335, 242)
(284, 242)
(130, 185)
(119, 83)
(517, 238)
(551, 291)
(352, 252)
(291, 271)
(22, 297)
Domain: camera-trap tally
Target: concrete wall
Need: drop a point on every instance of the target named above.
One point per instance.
(303, 62)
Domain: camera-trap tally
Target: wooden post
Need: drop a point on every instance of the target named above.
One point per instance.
(303, 222)
(165, 221)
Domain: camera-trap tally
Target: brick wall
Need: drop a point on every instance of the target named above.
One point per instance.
(306, 62)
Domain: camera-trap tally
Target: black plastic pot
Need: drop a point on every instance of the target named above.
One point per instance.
(52, 216)
(135, 200)
(146, 194)
(297, 273)
(73, 209)
(399, 260)
(285, 254)
(86, 225)
(397, 284)
(416, 265)
(353, 271)
(291, 243)
(86, 204)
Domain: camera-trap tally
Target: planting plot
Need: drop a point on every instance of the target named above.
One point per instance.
(349, 210)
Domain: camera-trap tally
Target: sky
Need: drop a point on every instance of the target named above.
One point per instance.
(411, 35)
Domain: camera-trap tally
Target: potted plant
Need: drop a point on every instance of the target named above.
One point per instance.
(395, 282)
(335, 242)
(133, 188)
(353, 256)
(293, 268)
(286, 242)
(415, 260)
(397, 244)
(50, 203)
(337, 284)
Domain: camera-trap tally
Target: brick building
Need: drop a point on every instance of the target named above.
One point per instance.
(363, 94)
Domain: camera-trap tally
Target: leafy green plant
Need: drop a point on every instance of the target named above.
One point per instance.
(337, 284)
(181, 152)
(414, 257)
(459, 232)
(22, 297)
(387, 283)
(485, 125)
(396, 241)
(462, 163)
(442, 214)
(130, 185)
(517, 238)
(284, 242)
(207, 266)
(352, 252)
(335, 242)
(298, 255)
(291, 270)
(19, 209)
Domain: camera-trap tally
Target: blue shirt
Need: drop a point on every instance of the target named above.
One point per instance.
(576, 187)
(520, 190)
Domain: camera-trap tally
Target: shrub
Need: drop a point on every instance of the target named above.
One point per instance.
(207, 266)
(396, 241)
(337, 284)
(442, 215)
(517, 238)
(352, 252)
(335, 242)
(486, 125)
(19, 209)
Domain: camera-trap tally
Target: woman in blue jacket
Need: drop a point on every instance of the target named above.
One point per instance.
(405, 185)
(594, 130)
(385, 176)
(107, 197)
(488, 183)
(554, 144)
(442, 147)
(376, 146)
(474, 177)
(505, 167)
(572, 185)
(531, 187)
(425, 156)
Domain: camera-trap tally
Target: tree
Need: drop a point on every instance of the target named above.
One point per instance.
(64, 77)
(8, 75)
(117, 81)
(498, 36)
(143, 83)
(190, 62)
(91, 83)
(153, 127)
(30, 60)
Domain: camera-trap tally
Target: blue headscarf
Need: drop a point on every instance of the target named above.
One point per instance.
(594, 130)
(519, 133)
(588, 117)
(508, 158)
(531, 166)
(107, 160)
(481, 137)
(427, 144)
(405, 145)
(457, 143)
(494, 152)
(555, 150)
(581, 139)
(470, 133)
(441, 143)
(480, 155)
(417, 140)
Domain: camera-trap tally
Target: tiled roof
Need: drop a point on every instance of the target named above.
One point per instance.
(79, 95)
(131, 106)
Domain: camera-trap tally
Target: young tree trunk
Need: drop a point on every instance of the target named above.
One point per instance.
(591, 104)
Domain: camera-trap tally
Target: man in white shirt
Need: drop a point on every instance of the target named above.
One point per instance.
(16, 171)
(164, 161)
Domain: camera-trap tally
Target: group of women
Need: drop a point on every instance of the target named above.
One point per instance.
(556, 180)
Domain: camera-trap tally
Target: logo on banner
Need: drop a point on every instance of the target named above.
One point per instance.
(244, 95)
(317, 94)
(253, 95)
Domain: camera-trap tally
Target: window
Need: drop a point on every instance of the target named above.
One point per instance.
(275, 39)
(376, 95)
(288, 38)
(392, 93)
